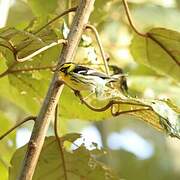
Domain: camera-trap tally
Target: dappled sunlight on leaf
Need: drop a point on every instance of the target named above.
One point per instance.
(80, 163)
(159, 49)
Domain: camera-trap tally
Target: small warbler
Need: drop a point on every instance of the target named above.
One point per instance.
(81, 78)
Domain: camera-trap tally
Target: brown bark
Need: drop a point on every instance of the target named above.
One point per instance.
(52, 97)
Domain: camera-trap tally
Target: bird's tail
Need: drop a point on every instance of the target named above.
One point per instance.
(119, 82)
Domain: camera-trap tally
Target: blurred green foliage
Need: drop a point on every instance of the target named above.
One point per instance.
(21, 94)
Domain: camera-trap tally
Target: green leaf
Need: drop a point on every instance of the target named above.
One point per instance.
(160, 50)
(168, 114)
(27, 81)
(164, 118)
(169, 118)
(101, 13)
(71, 108)
(80, 163)
(7, 145)
(151, 15)
(42, 8)
(3, 171)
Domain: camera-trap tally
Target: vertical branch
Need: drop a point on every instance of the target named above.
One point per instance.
(55, 88)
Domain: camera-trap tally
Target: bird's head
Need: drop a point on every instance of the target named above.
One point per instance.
(66, 68)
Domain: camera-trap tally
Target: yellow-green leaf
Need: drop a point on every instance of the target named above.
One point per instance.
(160, 50)
(80, 163)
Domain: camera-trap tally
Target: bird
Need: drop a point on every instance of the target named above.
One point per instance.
(81, 78)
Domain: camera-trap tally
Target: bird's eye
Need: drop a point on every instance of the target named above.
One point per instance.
(63, 69)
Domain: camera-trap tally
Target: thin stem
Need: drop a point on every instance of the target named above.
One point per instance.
(31, 69)
(50, 45)
(108, 105)
(128, 14)
(13, 71)
(56, 18)
(43, 48)
(60, 144)
(60, 41)
(94, 30)
(17, 125)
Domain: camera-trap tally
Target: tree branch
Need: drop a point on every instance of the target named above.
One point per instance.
(52, 97)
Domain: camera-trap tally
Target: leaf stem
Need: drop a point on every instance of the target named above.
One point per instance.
(56, 18)
(60, 144)
(17, 125)
(128, 14)
(44, 48)
(94, 30)
(109, 104)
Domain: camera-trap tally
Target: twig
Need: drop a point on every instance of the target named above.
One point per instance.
(56, 18)
(8, 71)
(17, 125)
(14, 51)
(128, 14)
(108, 105)
(60, 41)
(50, 22)
(93, 29)
(55, 88)
(31, 69)
(60, 144)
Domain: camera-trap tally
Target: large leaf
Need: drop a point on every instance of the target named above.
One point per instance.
(28, 81)
(160, 114)
(25, 45)
(150, 15)
(160, 50)
(80, 163)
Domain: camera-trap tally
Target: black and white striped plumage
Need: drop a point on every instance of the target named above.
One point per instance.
(81, 78)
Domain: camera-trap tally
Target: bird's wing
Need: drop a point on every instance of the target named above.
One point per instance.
(88, 71)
